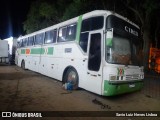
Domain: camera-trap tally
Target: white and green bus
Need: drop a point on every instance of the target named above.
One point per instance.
(97, 51)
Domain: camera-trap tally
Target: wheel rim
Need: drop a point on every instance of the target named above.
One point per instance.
(72, 77)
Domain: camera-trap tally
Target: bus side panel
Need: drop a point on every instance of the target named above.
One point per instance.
(69, 55)
(53, 69)
(30, 63)
(35, 63)
(72, 56)
(43, 65)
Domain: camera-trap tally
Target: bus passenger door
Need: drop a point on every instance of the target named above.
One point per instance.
(94, 69)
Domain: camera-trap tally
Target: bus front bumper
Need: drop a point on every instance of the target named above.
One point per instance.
(111, 89)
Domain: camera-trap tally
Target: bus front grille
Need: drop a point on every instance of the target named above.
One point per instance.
(133, 77)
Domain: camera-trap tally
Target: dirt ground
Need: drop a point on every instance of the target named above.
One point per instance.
(24, 90)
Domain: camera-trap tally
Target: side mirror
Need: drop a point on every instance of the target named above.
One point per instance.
(109, 37)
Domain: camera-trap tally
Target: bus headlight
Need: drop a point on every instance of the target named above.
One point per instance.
(113, 77)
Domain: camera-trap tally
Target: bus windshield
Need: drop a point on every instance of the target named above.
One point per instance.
(123, 51)
(123, 43)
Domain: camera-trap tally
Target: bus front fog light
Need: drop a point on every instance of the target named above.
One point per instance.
(113, 77)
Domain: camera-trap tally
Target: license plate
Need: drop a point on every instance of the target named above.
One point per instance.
(131, 85)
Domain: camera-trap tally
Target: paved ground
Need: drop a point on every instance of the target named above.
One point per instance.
(29, 91)
(152, 86)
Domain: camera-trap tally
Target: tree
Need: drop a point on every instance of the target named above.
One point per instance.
(44, 13)
(155, 28)
(143, 11)
(78, 7)
(41, 14)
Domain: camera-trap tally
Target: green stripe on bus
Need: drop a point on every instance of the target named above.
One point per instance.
(42, 51)
(50, 51)
(23, 51)
(79, 28)
(111, 89)
(36, 51)
(39, 51)
(109, 42)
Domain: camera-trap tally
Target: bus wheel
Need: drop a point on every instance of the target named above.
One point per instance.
(72, 76)
(23, 65)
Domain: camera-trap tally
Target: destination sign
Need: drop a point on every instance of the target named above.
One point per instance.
(121, 26)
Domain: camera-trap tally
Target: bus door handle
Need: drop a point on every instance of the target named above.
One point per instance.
(99, 75)
(93, 75)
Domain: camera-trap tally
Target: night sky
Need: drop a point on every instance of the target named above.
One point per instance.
(12, 15)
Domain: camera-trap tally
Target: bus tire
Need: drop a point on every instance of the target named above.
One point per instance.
(72, 76)
(23, 65)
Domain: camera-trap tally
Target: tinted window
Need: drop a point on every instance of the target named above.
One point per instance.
(93, 23)
(84, 41)
(39, 39)
(18, 44)
(21, 43)
(86, 25)
(71, 32)
(62, 34)
(95, 52)
(30, 41)
(50, 36)
(97, 23)
(122, 27)
(25, 42)
(54, 36)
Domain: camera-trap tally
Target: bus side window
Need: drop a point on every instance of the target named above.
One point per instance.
(97, 22)
(20, 43)
(84, 41)
(86, 25)
(30, 41)
(93, 23)
(50, 36)
(89, 24)
(39, 39)
(25, 42)
(54, 36)
(71, 32)
(62, 34)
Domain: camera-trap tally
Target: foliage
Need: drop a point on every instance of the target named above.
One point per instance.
(41, 15)
(143, 10)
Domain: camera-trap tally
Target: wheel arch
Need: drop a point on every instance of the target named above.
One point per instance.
(65, 71)
(24, 64)
(22, 61)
